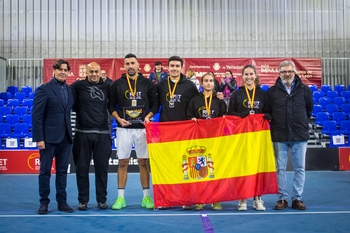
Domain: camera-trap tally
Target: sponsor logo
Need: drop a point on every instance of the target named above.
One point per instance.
(34, 161)
(197, 164)
(216, 66)
(147, 67)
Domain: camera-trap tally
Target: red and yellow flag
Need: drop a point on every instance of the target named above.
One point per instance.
(221, 159)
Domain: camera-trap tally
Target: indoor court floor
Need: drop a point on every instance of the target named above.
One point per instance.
(326, 196)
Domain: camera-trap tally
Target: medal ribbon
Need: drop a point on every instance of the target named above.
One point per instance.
(133, 93)
(206, 104)
(251, 100)
(173, 91)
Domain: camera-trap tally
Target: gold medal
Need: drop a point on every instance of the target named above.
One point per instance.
(134, 103)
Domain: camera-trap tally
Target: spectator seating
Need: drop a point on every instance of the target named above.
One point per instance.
(20, 96)
(339, 89)
(5, 96)
(332, 94)
(21, 111)
(345, 108)
(31, 95)
(313, 88)
(2, 103)
(26, 90)
(28, 144)
(264, 87)
(28, 103)
(339, 101)
(337, 140)
(114, 123)
(345, 127)
(324, 101)
(20, 130)
(12, 103)
(5, 130)
(4, 112)
(317, 108)
(326, 88)
(12, 120)
(338, 117)
(330, 127)
(346, 95)
(318, 95)
(12, 143)
(28, 120)
(321, 117)
(13, 90)
(331, 108)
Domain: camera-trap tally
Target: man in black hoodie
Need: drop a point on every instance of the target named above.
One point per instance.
(92, 136)
(136, 98)
(291, 106)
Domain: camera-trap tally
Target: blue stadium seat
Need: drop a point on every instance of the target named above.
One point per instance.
(26, 90)
(28, 144)
(318, 94)
(349, 88)
(20, 96)
(5, 96)
(337, 140)
(21, 111)
(12, 143)
(4, 112)
(346, 95)
(313, 88)
(5, 130)
(345, 127)
(28, 120)
(339, 89)
(332, 95)
(20, 130)
(264, 87)
(331, 108)
(12, 103)
(339, 101)
(338, 117)
(156, 117)
(114, 124)
(321, 117)
(345, 108)
(30, 110)
(13, 90)
(326, 88)
(2, 103)
(324, 101)
(113, 133)
(317, 108)
(12, 120)
(28, 103)
(330, 127)
(315, 100)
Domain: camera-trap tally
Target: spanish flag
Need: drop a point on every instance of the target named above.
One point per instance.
(221, 159)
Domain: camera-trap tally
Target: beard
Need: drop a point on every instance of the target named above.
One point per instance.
(288, 82)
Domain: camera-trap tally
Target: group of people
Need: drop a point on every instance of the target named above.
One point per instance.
(134, 99)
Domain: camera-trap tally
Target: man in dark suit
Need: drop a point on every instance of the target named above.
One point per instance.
(52, 131)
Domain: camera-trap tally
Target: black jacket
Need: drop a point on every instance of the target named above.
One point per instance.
(196, 107)
(91, 104)
(290, 113)
(146, 95)
(239, 103)
(185, 91)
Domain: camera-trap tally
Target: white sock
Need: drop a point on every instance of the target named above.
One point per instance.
(121, 192)
(145, 192)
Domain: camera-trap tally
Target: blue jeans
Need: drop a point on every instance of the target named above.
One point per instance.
(298, 152)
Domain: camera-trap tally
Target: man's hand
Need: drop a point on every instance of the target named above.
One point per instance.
(41, 145)
(123, 122)
(220, 95)
(194, 119)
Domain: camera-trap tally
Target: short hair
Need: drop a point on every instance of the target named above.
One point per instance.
(176, 58)
(192, 73)
(287, 63)
(157, 63)
(130, 55)
(58, 64)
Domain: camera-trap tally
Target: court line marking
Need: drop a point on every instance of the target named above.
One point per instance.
(169, 215)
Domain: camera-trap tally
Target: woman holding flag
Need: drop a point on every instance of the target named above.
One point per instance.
(206, 106)
(248, 100)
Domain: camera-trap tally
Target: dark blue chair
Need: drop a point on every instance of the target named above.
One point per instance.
(21, 111)
(332, 95)
(331, 108)
(345, 108)
(4, 112)
(12, 143)
(324, 101)
(31, 95)
(339, 117)
(321, 117)
(339, 101)
(264, 87)
(326, 88)
(330, 127)
(349, 88)
(345, 127)
(114, 123)
(317, 108)
(12, 120)
(5, 130)
(5, 96)
(346, 95)
(313, 88)
(20, 96)
(13, 90)
(318, 95)
(339, 89)
(28, 120)
(20, 130)
(28, 103)
(2, 103)
(26, 90)
(12, 103)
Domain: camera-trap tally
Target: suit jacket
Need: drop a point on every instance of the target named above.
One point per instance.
(50, 117)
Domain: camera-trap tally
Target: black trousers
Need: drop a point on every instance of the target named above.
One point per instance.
(99, 146)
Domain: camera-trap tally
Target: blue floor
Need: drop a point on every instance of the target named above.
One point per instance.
(326, 197)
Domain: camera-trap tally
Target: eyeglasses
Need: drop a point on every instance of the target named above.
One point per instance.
(289, 72)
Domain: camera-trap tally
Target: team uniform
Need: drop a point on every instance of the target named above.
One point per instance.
(91, 137)
(146, 97)
(175, 109)
(196, 108)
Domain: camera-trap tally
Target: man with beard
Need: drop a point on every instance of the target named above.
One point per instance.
(136, 98)
(291, 106)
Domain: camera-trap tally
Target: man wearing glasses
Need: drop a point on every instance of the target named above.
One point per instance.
(291, 106)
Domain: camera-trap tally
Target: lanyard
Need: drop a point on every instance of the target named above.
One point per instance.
(132, 92)
(206, 104)
(171, 92)
(251, 100)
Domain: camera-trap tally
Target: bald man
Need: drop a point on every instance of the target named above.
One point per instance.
(92, 137)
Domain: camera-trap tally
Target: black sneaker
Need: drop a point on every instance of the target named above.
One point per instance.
(82, 206)
(102, 205)
(43, 209)
(64, 207)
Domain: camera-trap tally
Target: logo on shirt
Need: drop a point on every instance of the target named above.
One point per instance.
(129, 96)
(96, 92)
(176, 97)
(202, 111)
(246, 104)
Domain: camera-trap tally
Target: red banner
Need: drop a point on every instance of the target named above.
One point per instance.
(344, 158)
(21, 161)
(308, 69)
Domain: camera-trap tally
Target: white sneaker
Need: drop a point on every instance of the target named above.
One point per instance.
(258, 203)
(242, 205)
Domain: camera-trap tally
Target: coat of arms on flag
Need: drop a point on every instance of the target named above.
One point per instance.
(197, 163)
